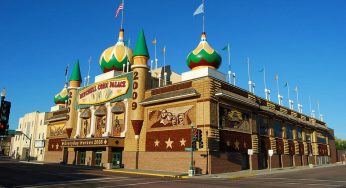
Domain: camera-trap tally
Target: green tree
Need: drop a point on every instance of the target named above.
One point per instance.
(340, 144)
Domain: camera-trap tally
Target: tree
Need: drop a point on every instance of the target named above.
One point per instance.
(340, 144)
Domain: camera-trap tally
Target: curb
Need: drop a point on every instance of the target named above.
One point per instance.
(148, 174)
(243, 176)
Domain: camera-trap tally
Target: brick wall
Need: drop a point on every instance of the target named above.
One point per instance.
(53, 156)
(287, 160)
(276, 161)
(298, 160)
(229, 162)
(165, 161)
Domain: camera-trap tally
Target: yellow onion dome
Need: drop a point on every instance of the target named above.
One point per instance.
(117, 56)
(203, 56)
(61, 97)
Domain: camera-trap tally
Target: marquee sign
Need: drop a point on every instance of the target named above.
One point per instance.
(93, 142)
(103, 91)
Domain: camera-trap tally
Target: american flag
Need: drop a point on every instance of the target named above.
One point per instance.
(121, 7)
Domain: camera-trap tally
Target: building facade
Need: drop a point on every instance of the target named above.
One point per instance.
(32, 125)
(129, 119)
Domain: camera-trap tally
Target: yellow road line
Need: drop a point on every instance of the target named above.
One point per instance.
(145, 173)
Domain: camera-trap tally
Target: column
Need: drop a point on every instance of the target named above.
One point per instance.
(92, 123)
(78, 124)
(108, 131)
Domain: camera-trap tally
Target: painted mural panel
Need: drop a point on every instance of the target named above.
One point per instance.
(118, 124)
(85, 128)
(57, 130)
(168, 140)
(100, 126)
(234, 119)
(172, 117)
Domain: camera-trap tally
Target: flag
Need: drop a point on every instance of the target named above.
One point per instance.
(121, 7)
(261, 70)
(225, 48)
(276, 77)
(164, 50)
(199, 10)
(154, 41)
(286, 84)
(66, 70)
(296, 89)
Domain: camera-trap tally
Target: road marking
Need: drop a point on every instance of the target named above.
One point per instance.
(143, 183)
(339, 181)
(74, 182)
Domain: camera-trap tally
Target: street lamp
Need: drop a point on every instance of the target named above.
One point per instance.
(19, 133)
(3, 94)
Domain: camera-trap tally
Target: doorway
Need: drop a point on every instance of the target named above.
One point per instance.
(98, 158)
(82, 155)
(116, 159)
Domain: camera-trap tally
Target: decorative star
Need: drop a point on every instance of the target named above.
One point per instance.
(182, 142)
(236, 145)
(52, 146)
(169, 143)
(156, 143)
(57, 146)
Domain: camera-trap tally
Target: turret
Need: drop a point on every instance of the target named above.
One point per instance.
(140, 70)
(75, 82)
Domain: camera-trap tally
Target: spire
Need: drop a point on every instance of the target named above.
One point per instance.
(75, 75)
(141, 46)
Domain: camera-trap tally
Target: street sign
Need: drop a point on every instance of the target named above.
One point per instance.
(250, 151)
(270, 152)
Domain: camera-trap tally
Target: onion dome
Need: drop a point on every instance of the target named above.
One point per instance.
(61, 97)
(203, 56)
(115, 57)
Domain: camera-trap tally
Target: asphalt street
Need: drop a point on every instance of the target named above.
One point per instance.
(19, 174)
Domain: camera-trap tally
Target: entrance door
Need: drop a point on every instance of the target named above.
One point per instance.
(82, 157)
(98, 158)
(116, 159)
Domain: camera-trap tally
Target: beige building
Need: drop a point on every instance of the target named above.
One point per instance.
(32, 125)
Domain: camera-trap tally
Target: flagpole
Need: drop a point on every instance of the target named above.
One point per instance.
(122, 15)
(229, 63)
(203, 17)
(156, 61)
(88, 77)
(164, 65)
(248, 73)
(278, 89)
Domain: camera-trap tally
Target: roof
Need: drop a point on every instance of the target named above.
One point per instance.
(170, 96)
(141, 46)
(75, 75)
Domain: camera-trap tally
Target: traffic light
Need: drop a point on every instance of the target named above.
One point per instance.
(5, 111)
(199, 135)
(194, 134)
(194, 146)
(4, 116)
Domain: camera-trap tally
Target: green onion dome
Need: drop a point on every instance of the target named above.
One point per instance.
(203, 56)
(115, 57)
(61, 97)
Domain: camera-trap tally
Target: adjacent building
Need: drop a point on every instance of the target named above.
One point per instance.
(30, 137)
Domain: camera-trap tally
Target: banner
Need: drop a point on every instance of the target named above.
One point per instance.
(103, 91)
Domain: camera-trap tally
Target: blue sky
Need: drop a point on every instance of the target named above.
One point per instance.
(304, 42)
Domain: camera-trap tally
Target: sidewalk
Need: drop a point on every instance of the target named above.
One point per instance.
(230, 175)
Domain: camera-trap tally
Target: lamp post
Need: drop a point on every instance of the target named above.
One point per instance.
(20, 132)
(192, 170)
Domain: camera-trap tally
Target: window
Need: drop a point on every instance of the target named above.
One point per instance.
(289, 131)
(41, 122)
(42, 136)
(308, 137)
(41, 151)
(263, 124)
(277, 129)
(39, 135)
(299, 134)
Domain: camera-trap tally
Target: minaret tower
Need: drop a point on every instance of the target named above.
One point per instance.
(75, 82)
(140, 72)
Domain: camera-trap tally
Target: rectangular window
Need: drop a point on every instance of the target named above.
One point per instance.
(42, 136)
(299, 134)
(277, 129)
(263, 123)
(308, 137)
(39, 135)
(289, 131)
